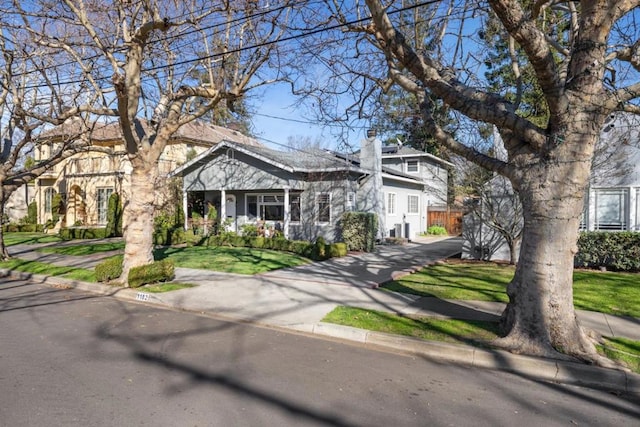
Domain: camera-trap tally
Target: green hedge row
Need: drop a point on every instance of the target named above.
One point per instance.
(317, 251)
(614, 251)
(23, 228)
(109, 269)
(83, 233)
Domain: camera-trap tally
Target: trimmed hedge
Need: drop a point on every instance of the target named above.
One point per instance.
(109, 269)
(157, 271)
(437, 230)
(359, 230)
(83, 233)
(22, 228)
(611, 250)
(317, 251)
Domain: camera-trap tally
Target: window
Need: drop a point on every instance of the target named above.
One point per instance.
(351, 201)
(391, 203)
(295, 208)
(48, 199)
(270, 207)
(103, 204)
(412, 166)
(611, 209)
(413, 204)
(252, 207)
(323, 207)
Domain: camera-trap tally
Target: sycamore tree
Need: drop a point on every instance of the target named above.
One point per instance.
(160, 64)
(583, 58)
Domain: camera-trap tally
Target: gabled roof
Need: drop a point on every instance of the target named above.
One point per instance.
(402, 151)
(196, 132)
(307, 161)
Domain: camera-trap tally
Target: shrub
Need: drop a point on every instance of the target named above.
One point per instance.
(337, 250)
(359, 230)
(32, 213)
(615, 251)
(437, 230)
(82, 233)
(114, 216)
(249, 230)
(109, 269)
(57, 208)
(157, 271)
(319, 252)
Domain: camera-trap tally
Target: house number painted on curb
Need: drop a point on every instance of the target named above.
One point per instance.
(142, 296)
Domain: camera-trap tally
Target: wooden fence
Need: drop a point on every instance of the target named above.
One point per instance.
(451, 219)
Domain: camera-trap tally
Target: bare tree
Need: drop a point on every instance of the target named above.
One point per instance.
(586, 68)
(161, 64)
(29, 102)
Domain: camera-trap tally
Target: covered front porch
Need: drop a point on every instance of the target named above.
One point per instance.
(272, 212)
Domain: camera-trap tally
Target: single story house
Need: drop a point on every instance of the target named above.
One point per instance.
(304, 193)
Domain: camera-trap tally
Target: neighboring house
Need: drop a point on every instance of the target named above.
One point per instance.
(612, 202)
(304, 193)
(16, 207)
(87, 180)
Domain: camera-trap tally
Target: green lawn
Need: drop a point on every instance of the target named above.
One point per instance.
(36, 267)
(606, 292)
(29, 238)
(230, 260)
(447, 330)
(84, 248)
(225, 259)
(478, 334)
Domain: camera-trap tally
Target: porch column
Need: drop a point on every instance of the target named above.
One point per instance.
(287, 213)
(185, 210)
(223, 206)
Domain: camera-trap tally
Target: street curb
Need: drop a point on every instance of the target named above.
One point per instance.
(526, 366)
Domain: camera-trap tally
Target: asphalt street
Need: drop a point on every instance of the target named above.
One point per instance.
(69, 358)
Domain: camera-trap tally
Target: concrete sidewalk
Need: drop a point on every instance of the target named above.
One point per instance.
(299, 298)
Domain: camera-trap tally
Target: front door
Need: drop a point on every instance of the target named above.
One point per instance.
(230, 207)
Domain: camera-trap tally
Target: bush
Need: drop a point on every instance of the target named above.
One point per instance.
(82, 233)
(157, 271)
(32, 213)
(109, 269)
(319, 252)
(337, 250)
(57, 208)
(615, 251)
(359, 230)
(114, 216)
(437, 230)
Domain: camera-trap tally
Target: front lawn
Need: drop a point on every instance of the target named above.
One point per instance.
(229, 259)
(605, 292)
(36, 267)
(29, 238)
(476, 333)
(84, 248)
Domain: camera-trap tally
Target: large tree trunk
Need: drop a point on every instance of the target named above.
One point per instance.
(138, 217)
(540, 318)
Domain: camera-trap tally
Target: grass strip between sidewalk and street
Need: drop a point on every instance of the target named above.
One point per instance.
(606, 292)
(36, 267)
(455, 331)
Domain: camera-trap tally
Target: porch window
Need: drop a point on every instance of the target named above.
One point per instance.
(103, 204)
(413, 204)
(252, 206)
(270, 207)
(323, 207)
(391, 203)
(611, 209)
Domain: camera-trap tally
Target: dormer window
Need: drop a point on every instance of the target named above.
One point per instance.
(413, 166)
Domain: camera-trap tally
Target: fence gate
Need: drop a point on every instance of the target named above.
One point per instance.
(450, 219)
